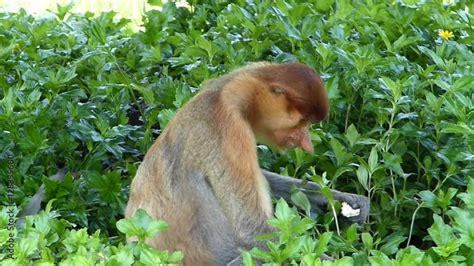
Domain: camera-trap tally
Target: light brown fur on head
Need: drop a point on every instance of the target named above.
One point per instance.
(202, 174)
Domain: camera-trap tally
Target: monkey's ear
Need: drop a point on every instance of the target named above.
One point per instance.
(278, 90)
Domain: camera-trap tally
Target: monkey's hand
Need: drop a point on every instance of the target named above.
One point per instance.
(355, 207)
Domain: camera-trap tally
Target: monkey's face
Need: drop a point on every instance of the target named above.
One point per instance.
(290, 138)
(290, 99)
(282, 127)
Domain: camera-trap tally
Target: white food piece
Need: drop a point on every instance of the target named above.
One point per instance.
(347, 210)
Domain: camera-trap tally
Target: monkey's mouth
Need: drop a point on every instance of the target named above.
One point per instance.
(288, 139)
(299, 138)
(291, 144)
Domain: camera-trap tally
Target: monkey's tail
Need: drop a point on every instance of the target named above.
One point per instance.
(34, 206)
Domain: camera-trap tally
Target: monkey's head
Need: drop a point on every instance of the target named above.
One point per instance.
(290, 97)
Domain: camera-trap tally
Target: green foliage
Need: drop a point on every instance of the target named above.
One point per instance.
(84, 91)
(296, 243)
(45, 239)
(141, 226)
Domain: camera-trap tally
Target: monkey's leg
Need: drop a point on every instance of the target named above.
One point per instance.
(281, 187)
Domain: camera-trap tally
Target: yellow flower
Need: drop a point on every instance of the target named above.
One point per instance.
(445, 34)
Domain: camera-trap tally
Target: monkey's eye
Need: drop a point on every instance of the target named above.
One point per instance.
(278, 90)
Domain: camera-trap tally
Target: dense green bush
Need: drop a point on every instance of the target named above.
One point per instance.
(86, 92)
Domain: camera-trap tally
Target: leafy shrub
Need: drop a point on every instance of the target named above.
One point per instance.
(86, 92)
(45, 238)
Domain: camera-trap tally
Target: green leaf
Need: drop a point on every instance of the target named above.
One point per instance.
(41, 222)
(150, 256)
(260, 254)
(165, 116)
(368, 241)
(309, 26)
(442, 84)
(468, 196)
(382, 34)
(436, 59)
(449, 248)
(328, 194)
(176, 256)
(247, 259)
(107, 185)
(64, 75)
(343, 9)
(301, 226)
(146, 92)
(291, 30)
(301, 200)
(4, 236)
(403, 41)
(9, 100)
(373, 160)
(393, 162)
(324, 6)
(351, 234)
(339, 151)
(394, 87)
(464, 84)
(352, 135)
(63, 10)
(123, 256)
(155, 2)
(392, 243)
(75, 240)
(459, 128)
(342, 170)
(463, 225)
(292, 248)
(27, 246)
(443, 199)
(283, 211)
(379, 259)
(141, 225)
(413, 256)
(363, 177)
(440, 232)
(34, 96)
(428, 197)
(97, 31)
(323, 241)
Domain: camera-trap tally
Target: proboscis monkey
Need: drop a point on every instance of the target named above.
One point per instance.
(202, 174)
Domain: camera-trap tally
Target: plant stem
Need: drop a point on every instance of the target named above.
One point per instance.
(413, 222)
(347, 118)
(335, 220)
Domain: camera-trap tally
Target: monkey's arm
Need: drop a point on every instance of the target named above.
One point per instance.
(281, 187)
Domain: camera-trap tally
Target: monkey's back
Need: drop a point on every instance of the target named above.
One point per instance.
(172, 184)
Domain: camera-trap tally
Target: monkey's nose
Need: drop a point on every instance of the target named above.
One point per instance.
(305, 141)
